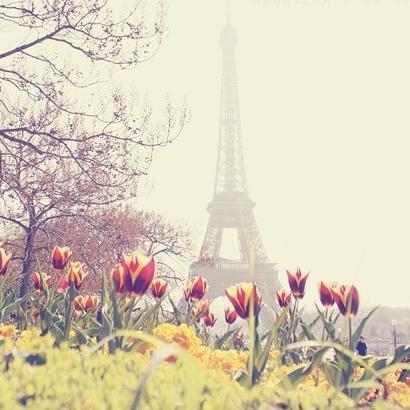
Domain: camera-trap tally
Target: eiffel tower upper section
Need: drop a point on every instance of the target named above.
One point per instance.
(230, 173)
(231, 206)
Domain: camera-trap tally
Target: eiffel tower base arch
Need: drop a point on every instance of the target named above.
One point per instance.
(229, 273)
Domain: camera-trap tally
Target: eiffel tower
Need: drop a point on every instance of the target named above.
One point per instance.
(231, 207)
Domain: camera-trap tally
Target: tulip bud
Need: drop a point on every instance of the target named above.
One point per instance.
(209, 320)
(297, 282)
(230, 315)
(76, 274)
(158, 288)
(241, 296)
(326, 295)
(36, 278)
(139, 271)
(187, 294)
(60, 257)
(63, 285)
(201, 309)
(118, 278)
(347, 300)
(4, 261)
(283, 298)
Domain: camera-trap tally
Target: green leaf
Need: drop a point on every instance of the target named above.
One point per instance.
(356, 390)
(365, 384)
(335, 319)
(399, 354)
(57, 332)
(262, 358)
(329, 326)
(359, 330)
(340, 374)
(9, 307)
(314, 321)
(334, 374)
(147, 314)
(221, 340)
(22, 318)
(54, 306)
(107, 323)
(306, 330)
(107, 328)
(82, 335)
(117, 319)
(178, 315)
(94, 331)
(295, 377)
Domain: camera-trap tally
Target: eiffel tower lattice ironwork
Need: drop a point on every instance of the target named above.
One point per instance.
(231, 207)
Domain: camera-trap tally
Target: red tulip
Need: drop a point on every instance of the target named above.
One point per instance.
(230, 315)
(36, 278)
(297, 282)
(139, 272)
(283, 298)
(241, 295)
(76, 274)
(84, 303)
(4, 261)
(209, 320)
(347, 300)
(60, 257)
(196, 289)
(326, 295)
(158, 288)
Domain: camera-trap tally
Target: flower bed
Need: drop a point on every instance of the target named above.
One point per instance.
(37, 375)
(63, 349)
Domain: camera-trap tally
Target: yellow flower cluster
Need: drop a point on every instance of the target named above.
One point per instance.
(36, 375)
(227, 361)
(181, 335)
(7, 331)
(397, 392)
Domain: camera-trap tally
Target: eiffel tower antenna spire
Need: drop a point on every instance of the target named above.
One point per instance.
(231, 206)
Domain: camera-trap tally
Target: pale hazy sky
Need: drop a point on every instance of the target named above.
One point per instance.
(324, 92)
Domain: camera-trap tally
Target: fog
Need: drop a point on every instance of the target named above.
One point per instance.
(324, 96)
(324, 92)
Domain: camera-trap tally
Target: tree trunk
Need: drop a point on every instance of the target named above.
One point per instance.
(26, 272)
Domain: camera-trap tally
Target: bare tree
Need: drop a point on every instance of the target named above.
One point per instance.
(64, 147)
(102, 236)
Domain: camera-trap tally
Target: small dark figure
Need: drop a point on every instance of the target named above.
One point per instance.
(361, 347)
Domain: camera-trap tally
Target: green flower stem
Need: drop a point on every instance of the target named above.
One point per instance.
(292, 322)
(251, 359)
(2, 294)
(324, 325)
(72, 293)
(57, 278)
